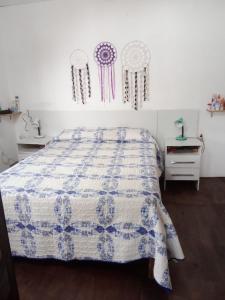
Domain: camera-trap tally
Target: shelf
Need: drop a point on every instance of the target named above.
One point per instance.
(10, 114)
(215, 111)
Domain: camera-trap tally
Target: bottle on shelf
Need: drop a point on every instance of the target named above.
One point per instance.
(17, 104)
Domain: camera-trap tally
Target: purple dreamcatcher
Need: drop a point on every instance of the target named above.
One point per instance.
(105, 55)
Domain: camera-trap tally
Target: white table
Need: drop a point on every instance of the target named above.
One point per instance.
(28, 145)
(182, 160)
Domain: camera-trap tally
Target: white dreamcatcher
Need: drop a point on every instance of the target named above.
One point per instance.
(80, 73)
(135, 68)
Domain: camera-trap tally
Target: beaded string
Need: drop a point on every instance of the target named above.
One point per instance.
(109, 85)
(145, 96)
(126, 87)
(81, 86)
(123, 85)
(73, 83)
(84, 84)
(88, 80)
(148, 84)
(136, 92)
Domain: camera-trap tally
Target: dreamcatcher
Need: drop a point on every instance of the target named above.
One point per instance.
(135, 61)
(105, 55)
(81, 84)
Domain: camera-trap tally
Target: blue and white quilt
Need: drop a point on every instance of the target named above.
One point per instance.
(91, 194)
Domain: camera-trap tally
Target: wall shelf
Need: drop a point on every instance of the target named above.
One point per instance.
(9, 114)
(215, 111)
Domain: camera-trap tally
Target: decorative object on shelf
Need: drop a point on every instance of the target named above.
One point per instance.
(105, 55)
(28, 121)
(217, 104)
(31, 124)
(180, 124)
(15, 105)
(80, 74)
(135, 71)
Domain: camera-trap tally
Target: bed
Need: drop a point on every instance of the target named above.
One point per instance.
(91, 194)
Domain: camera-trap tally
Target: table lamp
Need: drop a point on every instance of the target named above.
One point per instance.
(180, 124)
(37, 124)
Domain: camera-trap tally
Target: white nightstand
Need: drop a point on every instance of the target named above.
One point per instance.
(182, 160)
(29, 145)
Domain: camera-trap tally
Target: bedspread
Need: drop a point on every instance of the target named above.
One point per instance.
(93, 197)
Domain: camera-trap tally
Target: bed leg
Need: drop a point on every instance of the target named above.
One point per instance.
(150, 268)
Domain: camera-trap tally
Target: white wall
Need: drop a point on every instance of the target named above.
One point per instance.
(3, 80)
(185, 39)
(7, 132)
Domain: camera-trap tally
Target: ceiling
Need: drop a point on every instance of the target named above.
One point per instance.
(17, 2)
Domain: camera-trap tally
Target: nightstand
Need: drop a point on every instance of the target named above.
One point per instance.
(182, 160)
(29, 145)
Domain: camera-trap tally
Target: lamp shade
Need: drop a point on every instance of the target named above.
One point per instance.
(179, 122)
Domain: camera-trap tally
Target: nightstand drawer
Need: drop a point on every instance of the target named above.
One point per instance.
(183, 161)
(23, 155)
(182, 173)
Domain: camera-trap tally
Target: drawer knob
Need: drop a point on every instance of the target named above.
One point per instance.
(190, 175)
(181, 162)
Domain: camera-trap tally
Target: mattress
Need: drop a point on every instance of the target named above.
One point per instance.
(91, 194)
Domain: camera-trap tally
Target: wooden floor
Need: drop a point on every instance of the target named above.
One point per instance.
(199, 218)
